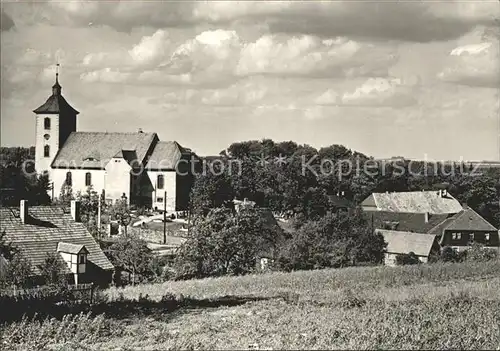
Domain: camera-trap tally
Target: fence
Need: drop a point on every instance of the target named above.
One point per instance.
(80, 292)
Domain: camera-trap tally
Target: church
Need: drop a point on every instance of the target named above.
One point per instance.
(137, 166)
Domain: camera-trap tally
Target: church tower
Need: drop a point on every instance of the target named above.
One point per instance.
(55, 120)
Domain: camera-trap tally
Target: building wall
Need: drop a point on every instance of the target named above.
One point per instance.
(117, 179)
(43, 163)
(170, 186)
(465, 238)
(98, 178)
(390, 259)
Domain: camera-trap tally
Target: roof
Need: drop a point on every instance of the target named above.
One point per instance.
(404, 242)
(166, 155)
(93, 150)
(338, 201)
(71, 248)
(56, 104)
(467, 219)
(402, 221)
(48, 226)
(414, 201)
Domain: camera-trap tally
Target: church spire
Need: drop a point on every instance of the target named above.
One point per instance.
(56, 88)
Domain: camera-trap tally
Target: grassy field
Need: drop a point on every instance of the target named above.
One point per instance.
(452, 306)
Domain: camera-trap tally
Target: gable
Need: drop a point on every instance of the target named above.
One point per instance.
(469, 220)
(166, 155)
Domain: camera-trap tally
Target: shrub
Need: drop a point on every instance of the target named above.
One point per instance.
(479, 253)
(407, 259)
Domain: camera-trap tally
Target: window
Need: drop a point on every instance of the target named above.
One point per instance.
(46, 123)
(487, 237)
(471, 236)
(46, 151)
(159, 199)
(88, 179)
(69, 180)
(46, 136)
(82, 259)
(160, 182)
(456, 236)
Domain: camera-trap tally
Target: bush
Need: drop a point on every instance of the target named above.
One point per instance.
(407, 259)
(480, 253)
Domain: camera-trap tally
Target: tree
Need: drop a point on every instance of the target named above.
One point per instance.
(121, 213)
(65, 196)
(407, 259)
(7, 250)
(53, 269)
(225, 242)
(335, 240)
(18, 272)
(131, 254)
(89, 207)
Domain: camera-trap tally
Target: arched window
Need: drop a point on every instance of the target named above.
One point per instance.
(46, 151)
(46, 123)
(69, 180)
(160, 182)
(88, 179)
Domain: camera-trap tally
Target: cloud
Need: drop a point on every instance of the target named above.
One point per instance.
(473, 64)
(381, 92)
(6, 22)
(221, 57)
(415, 21)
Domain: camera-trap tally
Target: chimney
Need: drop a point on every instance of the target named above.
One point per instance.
(75, 210)
(23, 211)
(426, 216)
(140, 130)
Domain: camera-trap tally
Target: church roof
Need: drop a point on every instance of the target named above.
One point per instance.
(56, 103)
(166, 155)
(93, 150)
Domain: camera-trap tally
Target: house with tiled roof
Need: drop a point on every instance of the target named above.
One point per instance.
(37, 231)
(432, 202)
(400, 242)
(430, 212)
(134, 166)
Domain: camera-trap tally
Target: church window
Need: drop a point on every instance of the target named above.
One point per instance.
(159, 199)
(69, 180)
(46, 151)
(46, 123)
(88, 179)
(46, 136)
(160, 183)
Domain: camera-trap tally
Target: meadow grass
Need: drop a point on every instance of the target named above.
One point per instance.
(441, 306)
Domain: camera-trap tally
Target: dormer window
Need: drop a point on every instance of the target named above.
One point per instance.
(46, 123)
(82, 259)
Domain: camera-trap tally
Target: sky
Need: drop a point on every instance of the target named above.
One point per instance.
(418, 79)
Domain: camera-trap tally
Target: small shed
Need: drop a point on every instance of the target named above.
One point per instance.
(75, 256)
(399, 242)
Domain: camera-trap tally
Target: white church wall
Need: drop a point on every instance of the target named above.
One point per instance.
(169, 186)
(117, 179)
(42, 163)
(78, 180)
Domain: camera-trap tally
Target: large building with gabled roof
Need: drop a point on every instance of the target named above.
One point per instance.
(136, 166)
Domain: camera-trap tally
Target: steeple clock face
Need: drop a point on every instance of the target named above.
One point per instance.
(46, 136)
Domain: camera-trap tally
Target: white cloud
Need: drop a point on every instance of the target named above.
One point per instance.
(150, 49)
(105, 75)
(381, 92)
(473, 64)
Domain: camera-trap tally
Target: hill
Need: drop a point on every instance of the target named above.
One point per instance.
(441, 306)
